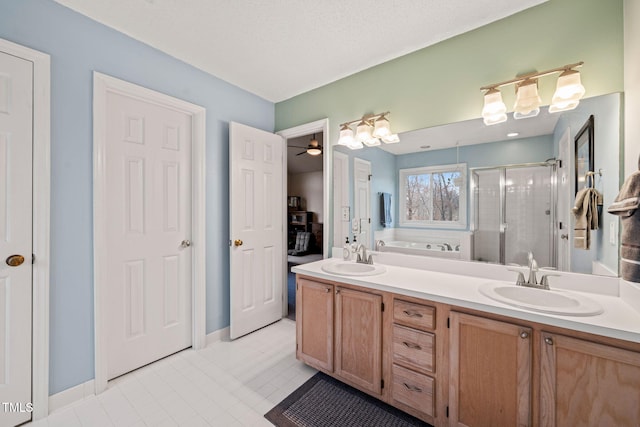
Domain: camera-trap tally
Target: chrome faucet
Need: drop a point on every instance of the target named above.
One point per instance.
(532, 281)
(362, 258)
(447, 246)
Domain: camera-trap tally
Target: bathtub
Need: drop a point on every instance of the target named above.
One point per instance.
(433, 249)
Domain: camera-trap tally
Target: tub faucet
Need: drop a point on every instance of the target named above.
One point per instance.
(362, 258)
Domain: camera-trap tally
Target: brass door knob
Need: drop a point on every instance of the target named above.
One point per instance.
(237, 242)
(15, 260)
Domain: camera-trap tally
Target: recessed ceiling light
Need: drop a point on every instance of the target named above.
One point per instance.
(425, 147)
(512, 134)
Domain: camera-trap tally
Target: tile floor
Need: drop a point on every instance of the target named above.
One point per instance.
(226, 384)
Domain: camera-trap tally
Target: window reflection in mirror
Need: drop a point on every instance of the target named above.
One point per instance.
(548, 136)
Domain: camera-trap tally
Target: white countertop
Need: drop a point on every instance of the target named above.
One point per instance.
(619, 319)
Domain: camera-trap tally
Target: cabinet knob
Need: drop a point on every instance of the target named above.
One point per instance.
(328, 290)
(524, 334)
(548, 340)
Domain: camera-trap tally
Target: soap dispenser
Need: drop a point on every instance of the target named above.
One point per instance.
(346, 250)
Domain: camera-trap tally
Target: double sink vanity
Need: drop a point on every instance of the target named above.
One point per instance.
(460, 344)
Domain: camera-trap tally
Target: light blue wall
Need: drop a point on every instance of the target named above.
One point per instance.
(608, 144)
(78, 46)
(384, 180)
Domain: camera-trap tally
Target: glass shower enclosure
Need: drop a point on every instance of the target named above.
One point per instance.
(513, 212)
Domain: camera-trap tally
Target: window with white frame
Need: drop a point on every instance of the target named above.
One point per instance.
(434, 196)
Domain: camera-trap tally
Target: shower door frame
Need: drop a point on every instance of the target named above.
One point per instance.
(553, 164)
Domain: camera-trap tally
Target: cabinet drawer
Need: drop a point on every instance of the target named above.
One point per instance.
(413, 389)
(413, 349)
(412, 314)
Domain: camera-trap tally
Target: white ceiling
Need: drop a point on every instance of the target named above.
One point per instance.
(281, 48)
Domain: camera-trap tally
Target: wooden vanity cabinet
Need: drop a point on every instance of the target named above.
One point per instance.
(358, 338)
(339, 331)
(584, 383)
(490, 364)
(452, 366)
(314, 323)
(413, 358)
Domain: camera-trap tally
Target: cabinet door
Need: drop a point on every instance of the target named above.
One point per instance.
(359, 338)
(314, 324)
(588, 384)
(490, 372)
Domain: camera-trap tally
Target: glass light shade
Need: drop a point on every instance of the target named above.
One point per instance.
(382, 127)
(569, 91)
(532, 113)
(346, 136)
(372, 142)
(363, 132)
(355, 145)
(527, 100)
(494, 110)
(314, 151)
(391, 139)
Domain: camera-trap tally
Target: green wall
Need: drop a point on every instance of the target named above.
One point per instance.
(440, 84)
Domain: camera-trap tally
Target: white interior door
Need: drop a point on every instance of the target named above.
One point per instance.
(148, 254)
(16, 145)
(362, 201)
(256, 228)
(564, 202)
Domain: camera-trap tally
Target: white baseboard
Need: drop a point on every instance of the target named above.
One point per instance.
(219, 335)
(71, 395)
(87, 389)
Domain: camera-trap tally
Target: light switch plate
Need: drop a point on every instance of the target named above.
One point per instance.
(613, 232)
(346, 213)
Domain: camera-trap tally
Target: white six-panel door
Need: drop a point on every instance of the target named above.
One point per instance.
(256, 228)
(362, 200)
(148, 267)
(16, 144)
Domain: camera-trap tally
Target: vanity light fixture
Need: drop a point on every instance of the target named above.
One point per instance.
(569, 91)
(371, 130)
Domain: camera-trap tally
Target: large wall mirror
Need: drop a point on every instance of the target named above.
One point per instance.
(488, 193)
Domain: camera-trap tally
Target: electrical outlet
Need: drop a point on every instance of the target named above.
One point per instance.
(346, 213)
(355, 226)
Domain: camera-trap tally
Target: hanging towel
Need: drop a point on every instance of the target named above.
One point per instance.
(586, 214)
(627, 207)
(385, 209)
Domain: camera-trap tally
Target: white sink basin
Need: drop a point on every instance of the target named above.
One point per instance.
(563, 303)
(350, 268)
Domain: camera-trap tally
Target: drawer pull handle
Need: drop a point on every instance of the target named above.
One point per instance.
(412, 388)
(412, 314)
(411, 345)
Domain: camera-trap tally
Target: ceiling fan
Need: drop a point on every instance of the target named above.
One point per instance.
(313, 149)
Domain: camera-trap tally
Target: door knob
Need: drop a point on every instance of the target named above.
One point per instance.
(185, 243)
(15, 260)
(237, 242)
(564, 236)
